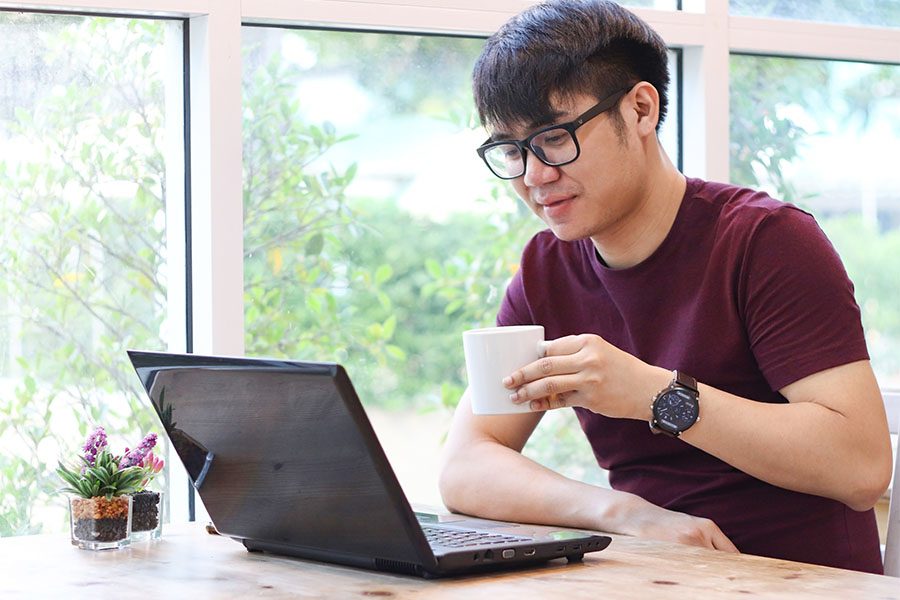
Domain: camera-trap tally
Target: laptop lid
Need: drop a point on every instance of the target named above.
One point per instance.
(282, 452)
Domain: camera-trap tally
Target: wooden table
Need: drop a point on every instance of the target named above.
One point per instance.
(189, 563)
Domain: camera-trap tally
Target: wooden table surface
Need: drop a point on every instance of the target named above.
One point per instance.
(189, 563)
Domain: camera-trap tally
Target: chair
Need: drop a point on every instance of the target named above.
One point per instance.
(892, 545)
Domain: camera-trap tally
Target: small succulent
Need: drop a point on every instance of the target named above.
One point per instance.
(103, 474)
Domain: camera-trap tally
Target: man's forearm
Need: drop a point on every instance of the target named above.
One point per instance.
(490, 480)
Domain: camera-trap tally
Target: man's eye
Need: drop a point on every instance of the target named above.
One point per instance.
(556, 138)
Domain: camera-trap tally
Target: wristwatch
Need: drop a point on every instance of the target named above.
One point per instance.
(677, 407)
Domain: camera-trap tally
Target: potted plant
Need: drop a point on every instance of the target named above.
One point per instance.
(100, 505)
(146, 511)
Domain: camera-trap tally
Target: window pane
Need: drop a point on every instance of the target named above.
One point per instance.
(881, 13)
(657, 4)
(82, 259)
(827, 137)
(373, 233)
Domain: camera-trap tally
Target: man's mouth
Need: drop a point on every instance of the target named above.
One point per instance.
(554, 206)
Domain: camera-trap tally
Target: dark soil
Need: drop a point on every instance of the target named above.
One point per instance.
(100, 530)
(144, 511)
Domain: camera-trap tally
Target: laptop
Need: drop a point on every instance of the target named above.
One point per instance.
(286, 461)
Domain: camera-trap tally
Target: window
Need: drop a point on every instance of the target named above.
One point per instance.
(373, 233)
(84, 272)
(658, 4)
(339, 158)
(881, 13)
(827, 137)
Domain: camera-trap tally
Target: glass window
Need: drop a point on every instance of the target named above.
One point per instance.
(373, 233)
(879, 13)
(83, 267)
(827, 137)
(657, 4)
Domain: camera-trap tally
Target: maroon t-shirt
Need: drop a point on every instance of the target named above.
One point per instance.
(747, 295)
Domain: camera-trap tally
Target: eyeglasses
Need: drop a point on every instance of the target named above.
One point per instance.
(554, 146)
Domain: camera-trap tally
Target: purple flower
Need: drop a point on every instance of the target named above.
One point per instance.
(94, 444)
(136, 457)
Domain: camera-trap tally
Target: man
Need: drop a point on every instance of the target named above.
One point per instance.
(704, 299)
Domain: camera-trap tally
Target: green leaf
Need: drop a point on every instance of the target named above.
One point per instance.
(454, 306)
(433, 268)
(395, 352)
(314, 304)
(383, 273)
(389, 326)
(314, 245)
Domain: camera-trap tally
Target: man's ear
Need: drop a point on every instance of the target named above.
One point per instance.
(646, 107)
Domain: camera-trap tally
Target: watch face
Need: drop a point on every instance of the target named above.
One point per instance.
(676, 410)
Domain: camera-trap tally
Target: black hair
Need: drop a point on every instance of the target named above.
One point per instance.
(561, 48)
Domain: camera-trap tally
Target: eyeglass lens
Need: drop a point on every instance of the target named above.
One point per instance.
(552, 147)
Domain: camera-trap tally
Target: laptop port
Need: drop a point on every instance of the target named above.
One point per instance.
(488, 555)
(576, 546)
(529, 552)
(476, 557)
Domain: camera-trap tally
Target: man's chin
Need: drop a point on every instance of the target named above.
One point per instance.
(566, 233)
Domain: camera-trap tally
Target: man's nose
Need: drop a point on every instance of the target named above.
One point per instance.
(537, 173)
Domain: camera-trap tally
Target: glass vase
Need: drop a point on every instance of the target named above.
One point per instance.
(100, 523)
(146, 515)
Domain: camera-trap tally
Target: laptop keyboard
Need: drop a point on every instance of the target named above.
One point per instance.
(461, 538)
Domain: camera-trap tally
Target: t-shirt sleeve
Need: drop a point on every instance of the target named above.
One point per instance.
(798, 302)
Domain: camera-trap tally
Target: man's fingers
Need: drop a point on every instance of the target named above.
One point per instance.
(720, 542)
(569, 344)
(550, 402)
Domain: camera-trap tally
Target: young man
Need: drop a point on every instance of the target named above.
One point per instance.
(727, 311)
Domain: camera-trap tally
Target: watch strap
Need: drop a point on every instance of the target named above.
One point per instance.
(684, 380)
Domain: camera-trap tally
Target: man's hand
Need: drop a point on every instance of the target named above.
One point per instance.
(587, 371)
(650, 521)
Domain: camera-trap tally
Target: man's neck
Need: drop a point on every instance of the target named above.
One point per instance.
(642, 232)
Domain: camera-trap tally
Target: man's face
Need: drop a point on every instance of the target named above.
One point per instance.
(591, 195)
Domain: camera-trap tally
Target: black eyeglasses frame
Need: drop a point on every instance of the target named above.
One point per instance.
(571, 126)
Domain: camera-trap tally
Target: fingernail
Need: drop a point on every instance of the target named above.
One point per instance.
(507, 381)
(535, 405)
(514, 396)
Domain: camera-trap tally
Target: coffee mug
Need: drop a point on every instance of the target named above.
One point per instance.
(492, 354)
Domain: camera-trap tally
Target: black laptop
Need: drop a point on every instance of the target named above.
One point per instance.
(286, 461)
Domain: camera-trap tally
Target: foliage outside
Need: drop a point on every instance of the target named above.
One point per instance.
(82, 263)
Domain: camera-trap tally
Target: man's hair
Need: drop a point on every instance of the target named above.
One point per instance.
(561, 48)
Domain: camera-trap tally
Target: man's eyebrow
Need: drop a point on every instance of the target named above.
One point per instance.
(550, 119)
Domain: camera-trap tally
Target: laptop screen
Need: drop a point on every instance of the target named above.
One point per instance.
(280, 451)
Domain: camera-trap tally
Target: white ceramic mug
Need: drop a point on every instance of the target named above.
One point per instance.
(492, 354)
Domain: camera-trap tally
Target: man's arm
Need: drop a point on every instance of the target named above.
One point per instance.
(830, 440)
(484, 474)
